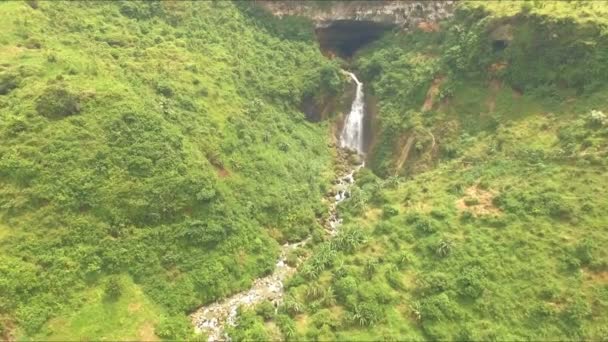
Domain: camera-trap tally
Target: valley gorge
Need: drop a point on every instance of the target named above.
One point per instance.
(303, 170)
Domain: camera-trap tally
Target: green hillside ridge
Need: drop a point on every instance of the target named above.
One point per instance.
(154, 156)
(158, 140)
(495, 226)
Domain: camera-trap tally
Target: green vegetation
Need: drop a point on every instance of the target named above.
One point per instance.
(156, 140)
(153, 156)
(130, 316)
(495, 226)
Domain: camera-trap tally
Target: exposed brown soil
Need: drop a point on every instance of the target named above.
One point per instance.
(497, 66)
(428, 26)
(405, 152)
(432, 94)
(146, 332)
(478, 201)
(598, 277)
(495, 86)
(222, 173)
(7, 334)
(134, 307)
(517, 93)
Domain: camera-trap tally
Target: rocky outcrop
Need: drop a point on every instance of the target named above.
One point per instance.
(404, 14)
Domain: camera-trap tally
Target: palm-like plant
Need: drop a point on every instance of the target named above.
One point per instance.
(314, 291)
(310, 272)
(289, 331)
(403, 260)
(445, 248)
(416, 310)
(329, 298)
(292, 306)
(364, 314)
(370, 268)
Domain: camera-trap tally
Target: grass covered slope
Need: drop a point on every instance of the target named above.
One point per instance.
(496, 224)
(159, 141)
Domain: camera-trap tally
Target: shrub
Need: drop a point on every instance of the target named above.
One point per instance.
(164, 89)
(33, 317)
(113, 288)
(438, 307)
(433, 283)
(424, 225)
(344, 287)
(467, 216)
(329, 297)
(8, 82)
(321, 318)
(265, 310)
(286, 326)
(393, 277)
(584, 251)
(173, 328)
(597, 118)
(57, 102)
(32, 3)
(292, 258)
(404, 259)
(576, 312)
(16, 127)
(439, 213)
(370, 268)
(314, 291)
(471, 201)
(383, 228)
(33, 43)
(388, 211)
(366, 313)
(444, 248)
(348, 239)
(471, 282)
(291, 306)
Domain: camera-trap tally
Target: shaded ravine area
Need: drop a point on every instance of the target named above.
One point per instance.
(212, 319)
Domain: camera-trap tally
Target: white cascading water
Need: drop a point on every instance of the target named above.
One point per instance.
(352, 133)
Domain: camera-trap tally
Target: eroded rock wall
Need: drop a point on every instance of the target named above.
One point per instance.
(404, 14)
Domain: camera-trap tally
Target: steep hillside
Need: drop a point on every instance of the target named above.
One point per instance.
(489, 221)
(154, 155)
(151, 160)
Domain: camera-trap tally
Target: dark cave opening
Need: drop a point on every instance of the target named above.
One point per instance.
(499, 45)
(345, 37)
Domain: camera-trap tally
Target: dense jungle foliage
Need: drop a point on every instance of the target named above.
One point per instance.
(154, 156)
(150, 160)
(495, 226)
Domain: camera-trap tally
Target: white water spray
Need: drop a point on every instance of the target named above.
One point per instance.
(352, 133)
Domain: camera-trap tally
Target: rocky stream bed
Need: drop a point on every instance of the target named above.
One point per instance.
(213, 318)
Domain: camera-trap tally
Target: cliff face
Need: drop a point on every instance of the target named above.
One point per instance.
(404, 14)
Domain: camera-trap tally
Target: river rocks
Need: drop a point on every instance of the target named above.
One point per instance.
(213, 318)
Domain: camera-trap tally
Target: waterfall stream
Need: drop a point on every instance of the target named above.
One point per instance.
(214, 317)
(352, 133)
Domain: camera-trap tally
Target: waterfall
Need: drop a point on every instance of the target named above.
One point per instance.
(352, 133)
